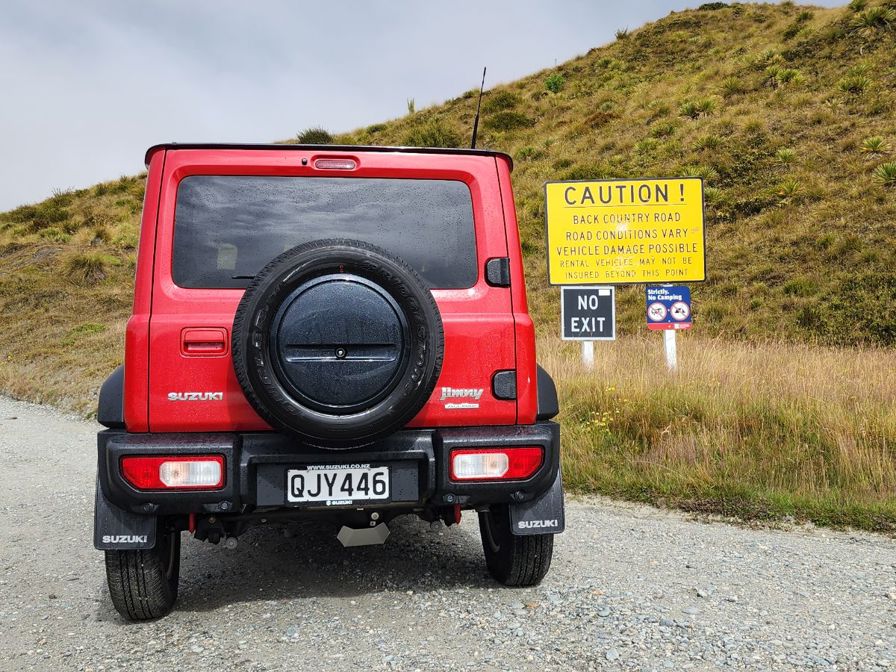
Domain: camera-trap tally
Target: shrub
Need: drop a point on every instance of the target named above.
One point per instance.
(100, 235)
(731, 86)
(86, 269)
(872, 19)
(708, 173)
(708, 142)
(854, 85)
(777, 76)
(554, 82)
(799, 286)
(789, 191)
(712, 195)
(858, 5)
(712, 6)
(646, 146)
(765, 59)
(885, 173)
(499, 100)
(529, 154)
(792, 30)
(622, 33)
(663, 130)
(55, 235)
(507, 121)
(875, 146)
(697, 108)
(375, 128)
(412, 106)
(314, 136)
(785, 155)
(434, 133)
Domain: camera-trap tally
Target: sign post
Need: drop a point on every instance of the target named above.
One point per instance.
(588, 314)
(669, 311)
(671, 353)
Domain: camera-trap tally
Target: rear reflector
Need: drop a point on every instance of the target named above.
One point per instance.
(335, 164)
(495, 464)
(170, 472)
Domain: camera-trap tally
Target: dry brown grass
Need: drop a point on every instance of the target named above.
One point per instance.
(756, 429)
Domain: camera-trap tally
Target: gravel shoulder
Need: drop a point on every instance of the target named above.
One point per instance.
(631, 587)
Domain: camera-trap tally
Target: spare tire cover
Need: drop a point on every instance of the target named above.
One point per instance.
(338, 343)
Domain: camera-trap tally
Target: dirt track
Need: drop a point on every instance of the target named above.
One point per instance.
(631, 588)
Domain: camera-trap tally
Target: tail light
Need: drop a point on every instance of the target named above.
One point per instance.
(495, 464)
(174, 472)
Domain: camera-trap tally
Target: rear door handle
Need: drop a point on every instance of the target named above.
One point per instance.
(203, 342)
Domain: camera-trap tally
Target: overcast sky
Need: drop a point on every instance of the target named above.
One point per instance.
(87, 86)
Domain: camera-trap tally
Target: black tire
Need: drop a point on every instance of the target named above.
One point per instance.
(517, 561)
(143, 584)
(306, 395)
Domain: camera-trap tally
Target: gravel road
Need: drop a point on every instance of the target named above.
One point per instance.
(631, 588)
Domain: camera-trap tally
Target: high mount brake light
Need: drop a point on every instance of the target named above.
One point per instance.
(335, 164)
(495, 464)
(174, 472)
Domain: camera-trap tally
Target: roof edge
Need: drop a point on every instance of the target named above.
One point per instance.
(332, 148)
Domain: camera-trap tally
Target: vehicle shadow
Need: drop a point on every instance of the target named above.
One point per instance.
(308, 561)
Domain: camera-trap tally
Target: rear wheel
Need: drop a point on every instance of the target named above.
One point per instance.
(513, 560)
(143, 584)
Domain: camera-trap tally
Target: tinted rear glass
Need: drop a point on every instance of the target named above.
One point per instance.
(227, 228)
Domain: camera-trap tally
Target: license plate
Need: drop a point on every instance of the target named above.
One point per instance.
(337, 485)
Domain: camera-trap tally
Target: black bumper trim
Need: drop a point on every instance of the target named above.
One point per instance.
(244, 453)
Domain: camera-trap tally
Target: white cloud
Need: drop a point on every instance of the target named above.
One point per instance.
(88, 86)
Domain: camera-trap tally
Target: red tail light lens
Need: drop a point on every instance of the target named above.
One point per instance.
(495, 464)
(170, 472)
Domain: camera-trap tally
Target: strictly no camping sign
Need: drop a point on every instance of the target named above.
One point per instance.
(611, 232)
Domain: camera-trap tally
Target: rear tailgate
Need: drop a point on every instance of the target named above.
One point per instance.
(192, 386)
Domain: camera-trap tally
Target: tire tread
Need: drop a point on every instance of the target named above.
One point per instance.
(138, 583)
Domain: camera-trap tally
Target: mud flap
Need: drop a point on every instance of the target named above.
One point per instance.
(543, 515)
(115, 529)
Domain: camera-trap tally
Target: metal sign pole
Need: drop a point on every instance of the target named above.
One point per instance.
(671, 354)
(588, 355)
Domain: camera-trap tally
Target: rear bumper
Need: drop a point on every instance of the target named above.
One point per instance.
(256, 465)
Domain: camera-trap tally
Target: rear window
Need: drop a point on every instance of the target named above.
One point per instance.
(227, 228)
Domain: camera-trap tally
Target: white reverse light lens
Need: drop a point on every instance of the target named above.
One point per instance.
(480, 465)
(185, 474)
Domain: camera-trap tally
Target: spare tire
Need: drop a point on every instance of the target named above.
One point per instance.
(338, 343)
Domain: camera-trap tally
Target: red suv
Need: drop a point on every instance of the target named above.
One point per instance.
(339, 332)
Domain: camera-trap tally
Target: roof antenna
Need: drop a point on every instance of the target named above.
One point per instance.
(478, 105)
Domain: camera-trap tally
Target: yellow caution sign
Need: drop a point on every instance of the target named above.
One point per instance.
(611, 232)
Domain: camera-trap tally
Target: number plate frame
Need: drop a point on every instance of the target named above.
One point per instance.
(317, 489)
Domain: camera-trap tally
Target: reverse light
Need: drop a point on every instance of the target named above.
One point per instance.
(174, 472)
(495, 464)
(335, 164)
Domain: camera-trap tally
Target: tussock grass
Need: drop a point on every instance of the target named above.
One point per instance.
(755, 430)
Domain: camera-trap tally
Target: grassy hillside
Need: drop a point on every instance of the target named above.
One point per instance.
(785, 111)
